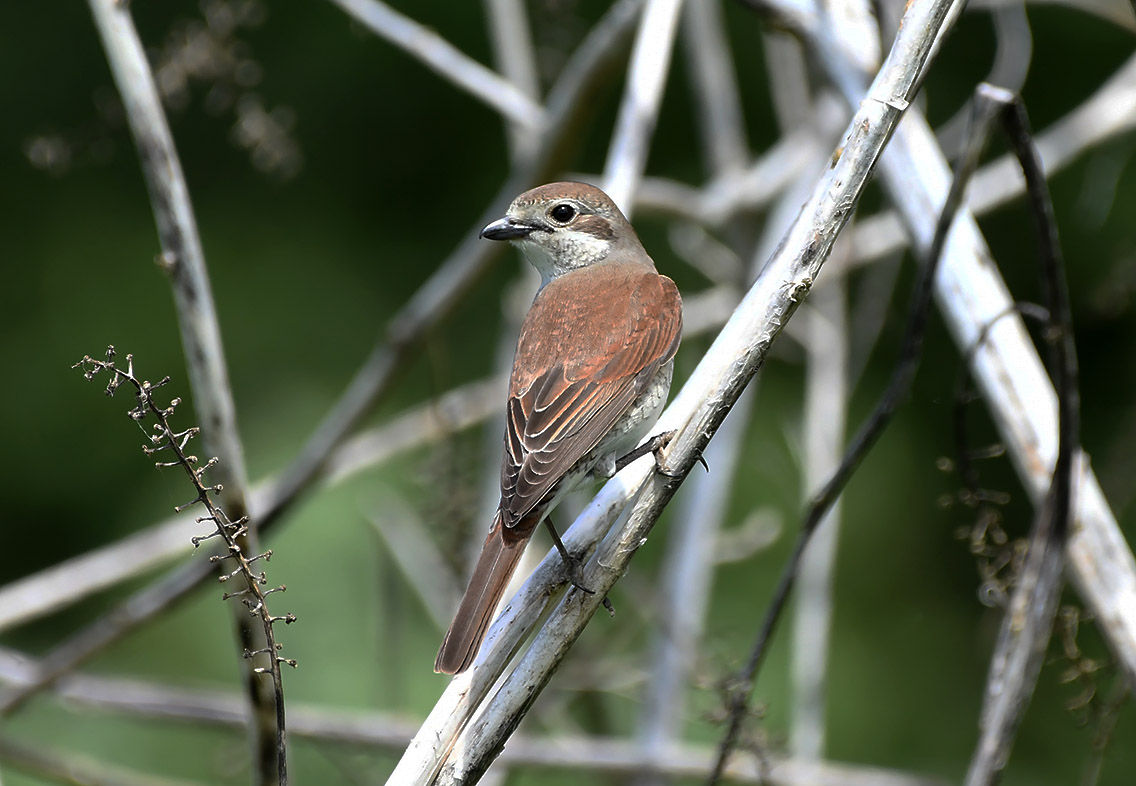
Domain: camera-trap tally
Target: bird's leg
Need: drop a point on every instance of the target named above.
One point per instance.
(570, 562)
(655, 445)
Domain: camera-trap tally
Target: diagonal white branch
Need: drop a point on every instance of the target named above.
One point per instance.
(639, 109)
(446, 60)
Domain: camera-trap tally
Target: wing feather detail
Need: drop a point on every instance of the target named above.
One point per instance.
(591, 343)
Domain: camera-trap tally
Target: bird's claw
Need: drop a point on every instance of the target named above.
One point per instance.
(656, 445)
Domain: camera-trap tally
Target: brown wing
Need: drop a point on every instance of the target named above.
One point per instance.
(591, 343)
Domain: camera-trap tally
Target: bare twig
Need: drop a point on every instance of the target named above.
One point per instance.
(184, 261)
(513, 50)
(715, 88)
(696, 412)
(447, 61)
(251, 595)
(1012, 57)
(638, 111)
(1028, 622)
(826, 396)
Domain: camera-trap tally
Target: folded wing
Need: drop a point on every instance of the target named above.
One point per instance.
(591, 343)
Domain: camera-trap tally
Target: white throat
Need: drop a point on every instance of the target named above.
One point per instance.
(554, 254)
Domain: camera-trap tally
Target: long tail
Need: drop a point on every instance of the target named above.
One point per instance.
(496, 565)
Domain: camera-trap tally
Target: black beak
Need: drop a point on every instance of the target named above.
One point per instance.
(507, 229)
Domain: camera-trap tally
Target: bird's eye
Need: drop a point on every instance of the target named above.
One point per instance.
(563, 213)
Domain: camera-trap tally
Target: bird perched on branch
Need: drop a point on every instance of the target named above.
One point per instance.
(590, 376)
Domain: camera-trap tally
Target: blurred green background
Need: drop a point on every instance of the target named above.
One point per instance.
(315, 236)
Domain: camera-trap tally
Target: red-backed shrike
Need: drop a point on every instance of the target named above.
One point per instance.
(590, 376)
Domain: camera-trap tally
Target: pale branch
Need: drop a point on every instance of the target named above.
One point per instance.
(515, 54)
(826, 400)
(134, 698)
(788, 78)
(184, 261)
(696, 413)
(714, 87)
(1028, 622)
(67, 767)
(446, 60)
(639, 108)
(854, 30)
(182, 256)
(685, 580)
(567, 104)
(403, 533)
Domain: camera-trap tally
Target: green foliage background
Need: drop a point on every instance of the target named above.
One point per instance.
(306, 273)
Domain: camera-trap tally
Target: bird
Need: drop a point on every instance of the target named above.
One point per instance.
(591, 374)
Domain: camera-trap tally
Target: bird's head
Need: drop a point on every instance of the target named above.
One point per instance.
(564, 226)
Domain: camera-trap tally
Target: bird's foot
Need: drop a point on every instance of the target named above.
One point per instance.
(655, 445)
(571, 563)
(575, 575)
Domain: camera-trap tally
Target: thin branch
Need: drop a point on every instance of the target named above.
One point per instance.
(1028, 622)
(826, 397)
(714, 86)
(638, 111)
(371, 730)
(250, 592)
(516, 58)
(1013, 54)
(184, 261)
(432, 303)
(403, 532)
(696, 413)
(444, 59)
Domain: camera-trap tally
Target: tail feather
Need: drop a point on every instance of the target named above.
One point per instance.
(495, 566)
